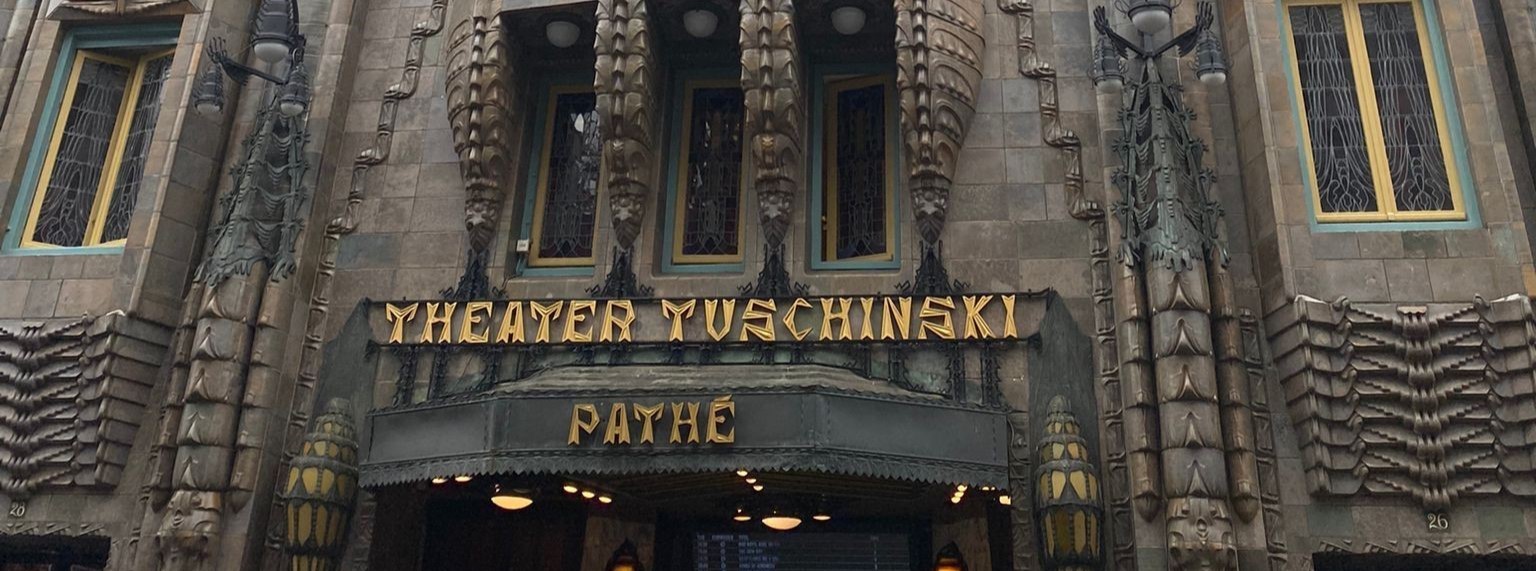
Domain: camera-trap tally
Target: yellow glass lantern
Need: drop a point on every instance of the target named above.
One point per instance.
(1067, 495)
(949, 559)
(625, 558)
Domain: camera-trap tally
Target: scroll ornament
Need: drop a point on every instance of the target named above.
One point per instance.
(938, 76)
(480, 104)
(623, 84)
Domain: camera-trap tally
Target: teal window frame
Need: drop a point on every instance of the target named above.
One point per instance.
(89, 38)
(1445, 84)
(537, 119)
(817, 206)
(675, 156)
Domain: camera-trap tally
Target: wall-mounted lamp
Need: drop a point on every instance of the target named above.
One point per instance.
(848, 20)
(1150, 16)
(276, 39)
(700, 23)
(562, 33)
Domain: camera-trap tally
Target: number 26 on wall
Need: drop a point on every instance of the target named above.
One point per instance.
(1438, 521)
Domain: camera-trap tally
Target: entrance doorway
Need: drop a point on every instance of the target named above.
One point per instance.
(27, 553)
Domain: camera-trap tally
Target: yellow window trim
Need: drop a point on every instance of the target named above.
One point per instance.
(679, 209)
(114, 159)
(834, 87)
(1375, 141)
(541, 191)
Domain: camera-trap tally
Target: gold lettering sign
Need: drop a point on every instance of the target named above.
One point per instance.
(877, 318)
(588, 421)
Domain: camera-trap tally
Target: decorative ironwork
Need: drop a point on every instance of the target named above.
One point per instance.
(710, 209)
(1343, 168)
(621, 281)
(130, 174)
(1021, 498)
(773, 280)
(80, 161)
(931, 277)
(569, 205)
(1067, 495)
(1407, 114)
(858, 194)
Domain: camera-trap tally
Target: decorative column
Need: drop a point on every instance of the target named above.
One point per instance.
(1189, 430)
(938, 74)
(481, 73)
(623, 84)
(770, 80)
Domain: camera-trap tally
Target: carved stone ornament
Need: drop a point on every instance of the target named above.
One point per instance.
(63, 9)
(189, 531)
(624, 85)
(1434, 401)
(770, 81)
(1020, 494)
(1199, 530)
(71, 396)
(481, 103)
(938, 75)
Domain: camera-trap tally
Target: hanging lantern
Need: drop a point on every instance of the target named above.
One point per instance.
(1106, 71)
(1210, 63)
(625, 558)
(276, 30)
(1067, 493)
(208, 95)
(949, 559)
(294, 100)
(320, 491)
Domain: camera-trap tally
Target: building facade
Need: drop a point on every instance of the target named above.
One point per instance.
(578, 285)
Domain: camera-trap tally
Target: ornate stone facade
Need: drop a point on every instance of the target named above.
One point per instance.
(73, 394)
(1433, 401)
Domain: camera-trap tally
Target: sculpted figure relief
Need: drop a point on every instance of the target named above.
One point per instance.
(189, 531)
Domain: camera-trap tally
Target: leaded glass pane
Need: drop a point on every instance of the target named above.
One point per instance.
(570, 201)
(861, 172)
(1333, 110)
(1408, 122)
(711, 211)
(146, 111)
(81, 157)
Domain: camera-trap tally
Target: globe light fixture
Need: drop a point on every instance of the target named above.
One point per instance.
(1210, 65)
(700, 23)
(1150, 16)
(510, 500)
(848, 20)
(562, 33)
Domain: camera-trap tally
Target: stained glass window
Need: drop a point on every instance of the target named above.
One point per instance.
(708, 216)
(858, 193)
(1377, 153)
(95, 163)
(565, 216)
